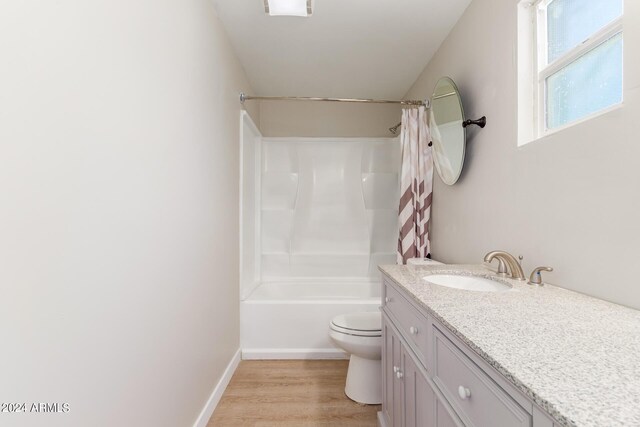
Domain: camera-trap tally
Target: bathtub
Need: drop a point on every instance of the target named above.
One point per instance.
(290, 319)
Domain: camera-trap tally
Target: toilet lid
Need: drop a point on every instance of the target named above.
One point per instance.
(361, 324)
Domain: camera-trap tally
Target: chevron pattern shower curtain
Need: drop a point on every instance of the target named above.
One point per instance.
(416, 185)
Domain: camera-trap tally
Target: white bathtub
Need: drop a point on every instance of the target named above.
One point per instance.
(290, 319)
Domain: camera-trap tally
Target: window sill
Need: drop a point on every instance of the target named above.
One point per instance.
(570, 125)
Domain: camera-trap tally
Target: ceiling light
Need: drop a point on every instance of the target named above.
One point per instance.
(288, 7)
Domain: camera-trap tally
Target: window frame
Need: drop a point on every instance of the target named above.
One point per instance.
(543, 70)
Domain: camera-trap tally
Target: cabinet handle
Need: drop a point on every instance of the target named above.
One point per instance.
(399, 374)
(413, 330)
(464, 393)
(387, 300)
(395, 369)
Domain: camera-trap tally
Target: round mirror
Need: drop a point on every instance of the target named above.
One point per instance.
(447, 133)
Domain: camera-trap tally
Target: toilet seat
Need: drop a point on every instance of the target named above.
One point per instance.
(366, 324)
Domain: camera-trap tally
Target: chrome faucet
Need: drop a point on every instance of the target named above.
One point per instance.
(506, 260)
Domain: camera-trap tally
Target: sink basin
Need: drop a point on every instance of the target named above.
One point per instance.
(468, 283)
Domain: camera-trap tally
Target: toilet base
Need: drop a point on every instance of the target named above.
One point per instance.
(364, 380)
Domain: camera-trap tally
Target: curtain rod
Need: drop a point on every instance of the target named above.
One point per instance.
(244, 97)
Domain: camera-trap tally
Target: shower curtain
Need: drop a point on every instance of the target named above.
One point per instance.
(416, 184)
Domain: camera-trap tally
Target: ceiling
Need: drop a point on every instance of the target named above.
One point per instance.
(347, 48)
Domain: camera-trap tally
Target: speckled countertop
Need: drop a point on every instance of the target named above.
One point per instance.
(576, 356)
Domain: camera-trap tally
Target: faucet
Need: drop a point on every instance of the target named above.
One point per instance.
(536, 277)
(505, 259)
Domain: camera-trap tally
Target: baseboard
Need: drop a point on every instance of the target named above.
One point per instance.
(292, 353)
(218, 390)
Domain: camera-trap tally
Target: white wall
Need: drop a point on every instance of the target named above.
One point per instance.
(118, 209)
(569, 200)
(327, 119)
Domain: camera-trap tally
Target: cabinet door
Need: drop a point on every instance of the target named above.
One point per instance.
(392, 386)
(398, 384)
(419, 398)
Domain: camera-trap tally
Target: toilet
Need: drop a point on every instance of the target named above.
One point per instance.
(360, 335)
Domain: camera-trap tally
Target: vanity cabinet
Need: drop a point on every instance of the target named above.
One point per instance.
(431, 379)
(408, 397)
(392, 398)
(418, 394)
(476, 397)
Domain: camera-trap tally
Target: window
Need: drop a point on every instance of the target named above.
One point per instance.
(570, 58)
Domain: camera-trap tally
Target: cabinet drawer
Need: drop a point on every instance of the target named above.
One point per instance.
(443, 419)
(477, 399)
(414, 326)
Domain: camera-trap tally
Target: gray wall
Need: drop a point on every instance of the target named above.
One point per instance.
(327, 119)
(570, 200)
(119, 175)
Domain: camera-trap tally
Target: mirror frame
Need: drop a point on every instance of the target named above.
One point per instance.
(464, 129)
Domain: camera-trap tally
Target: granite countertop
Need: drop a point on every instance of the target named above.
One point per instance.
(575, 356)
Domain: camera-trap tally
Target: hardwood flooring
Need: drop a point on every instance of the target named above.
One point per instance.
(291, 393)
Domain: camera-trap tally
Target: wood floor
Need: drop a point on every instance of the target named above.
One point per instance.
(288, 393)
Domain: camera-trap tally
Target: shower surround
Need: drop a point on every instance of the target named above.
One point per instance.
(327, 218)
